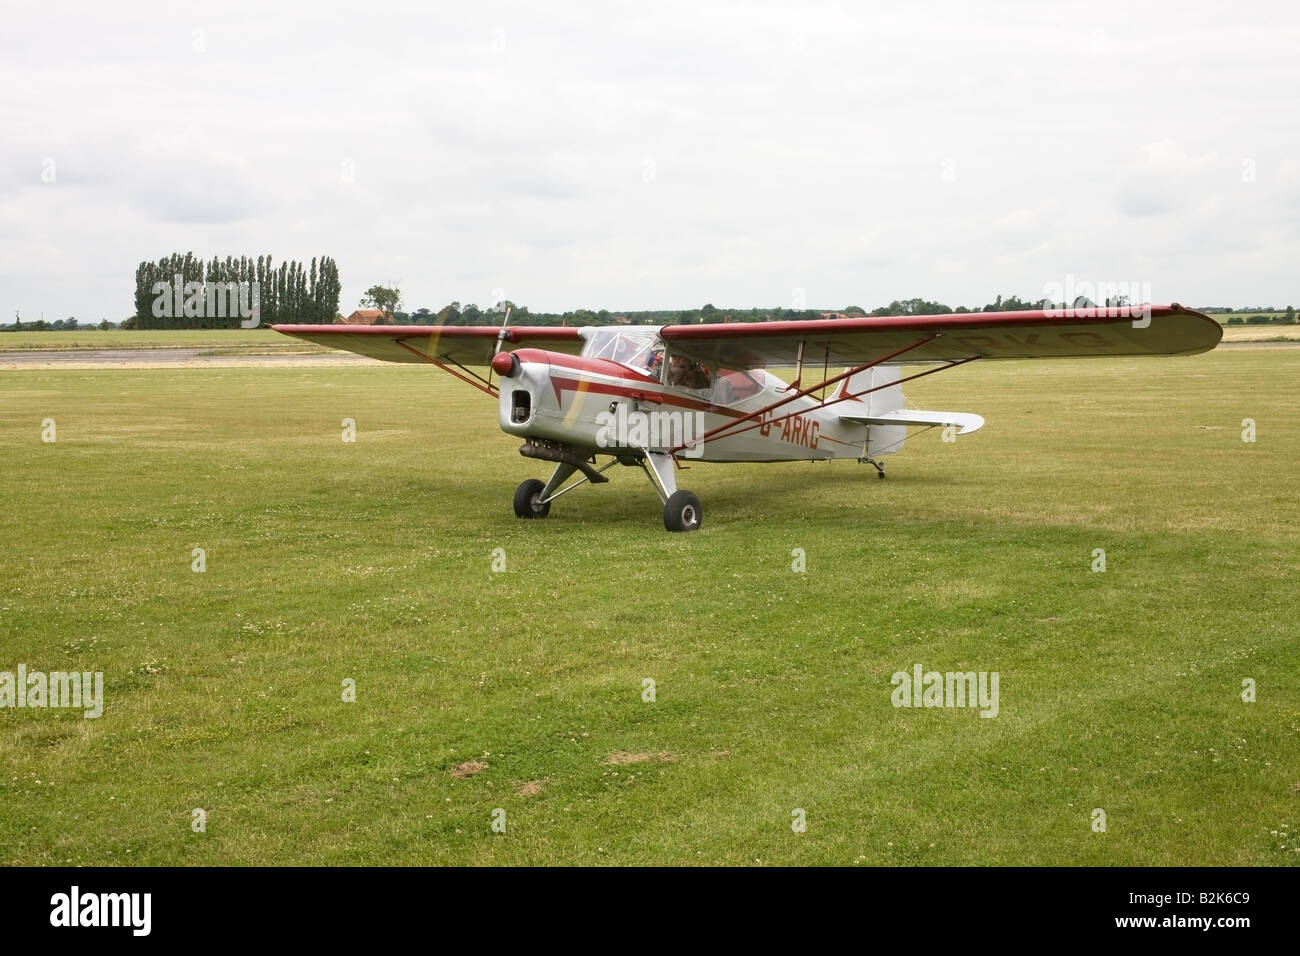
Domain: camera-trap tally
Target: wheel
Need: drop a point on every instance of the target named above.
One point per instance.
(527, 504)
(881, 475)
(682, 512)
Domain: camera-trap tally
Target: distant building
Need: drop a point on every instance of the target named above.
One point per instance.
(365, 317)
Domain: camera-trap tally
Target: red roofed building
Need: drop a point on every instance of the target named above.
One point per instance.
(365, 317)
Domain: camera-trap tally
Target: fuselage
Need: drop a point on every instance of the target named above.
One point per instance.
(606, 406)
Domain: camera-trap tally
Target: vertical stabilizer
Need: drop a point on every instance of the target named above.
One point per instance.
(882, 439)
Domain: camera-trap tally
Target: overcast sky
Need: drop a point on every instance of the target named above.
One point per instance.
(655, 154)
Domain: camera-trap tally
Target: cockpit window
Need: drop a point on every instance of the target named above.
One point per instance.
(637, 348)
(640, 348)
(688, 374)
(732, 386)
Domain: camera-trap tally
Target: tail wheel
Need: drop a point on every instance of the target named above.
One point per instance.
(528, 500)
(682, 512)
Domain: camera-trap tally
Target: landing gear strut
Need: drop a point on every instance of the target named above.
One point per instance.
(682, 511)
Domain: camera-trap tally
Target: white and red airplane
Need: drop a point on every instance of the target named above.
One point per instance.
(650, 396)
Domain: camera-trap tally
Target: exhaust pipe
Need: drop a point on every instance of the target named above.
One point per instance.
(564, 455)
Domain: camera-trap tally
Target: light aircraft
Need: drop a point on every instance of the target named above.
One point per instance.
(651, 396)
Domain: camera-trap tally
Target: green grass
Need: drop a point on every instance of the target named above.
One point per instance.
(1261, 333)
(1119, 690)
(215, 340)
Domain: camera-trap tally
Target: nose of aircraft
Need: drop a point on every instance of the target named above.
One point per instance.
(505, 364)
(522, 397)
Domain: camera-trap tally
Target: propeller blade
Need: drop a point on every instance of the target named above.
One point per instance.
(501, 336)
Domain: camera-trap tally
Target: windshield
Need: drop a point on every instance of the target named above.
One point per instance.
(638, 348)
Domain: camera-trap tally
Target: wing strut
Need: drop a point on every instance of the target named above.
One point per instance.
(482, 384)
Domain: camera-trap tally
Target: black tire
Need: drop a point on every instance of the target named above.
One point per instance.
(526, 504)
(682, 512)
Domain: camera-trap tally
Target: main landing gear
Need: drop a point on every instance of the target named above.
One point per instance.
(682, 510)
(528, 500)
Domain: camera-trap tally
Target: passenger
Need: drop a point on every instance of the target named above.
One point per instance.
(683, 373)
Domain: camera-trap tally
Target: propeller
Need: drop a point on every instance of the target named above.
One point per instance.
(502, 336)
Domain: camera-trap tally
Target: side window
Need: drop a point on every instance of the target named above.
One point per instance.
(734, 386)
(689, 375)
(654, 364)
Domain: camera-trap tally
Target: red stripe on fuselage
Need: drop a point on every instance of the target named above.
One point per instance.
(562, 385)
(641, 387)
(795, 430)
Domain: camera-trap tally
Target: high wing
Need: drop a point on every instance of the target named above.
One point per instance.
(1171, 330)
(464, 345)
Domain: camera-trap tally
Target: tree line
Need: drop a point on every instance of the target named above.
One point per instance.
(291, 293)
(70, 324)
(185, 292)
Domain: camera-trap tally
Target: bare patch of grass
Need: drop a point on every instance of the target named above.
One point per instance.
(619, 757)
(468, 769)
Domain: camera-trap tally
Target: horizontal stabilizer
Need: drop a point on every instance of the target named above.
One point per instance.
(965, 421)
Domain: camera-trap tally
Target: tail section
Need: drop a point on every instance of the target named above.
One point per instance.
(876, 400)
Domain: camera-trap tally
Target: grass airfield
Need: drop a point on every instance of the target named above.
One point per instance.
(522, 691)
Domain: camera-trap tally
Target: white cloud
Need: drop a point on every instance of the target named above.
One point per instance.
(654, 155)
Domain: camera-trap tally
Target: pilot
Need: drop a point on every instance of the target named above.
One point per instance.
(684, 373)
